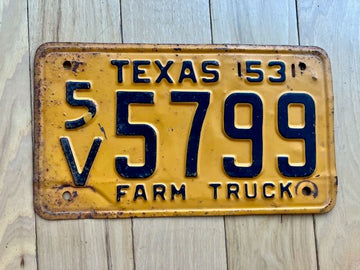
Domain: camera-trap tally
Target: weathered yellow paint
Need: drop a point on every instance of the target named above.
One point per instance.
(172, 122)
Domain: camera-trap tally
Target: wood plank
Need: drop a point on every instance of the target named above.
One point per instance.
(173, 243)
(335, 26)
(17, 219)
(263, 242)
(80, 244)
(158, 21)
(254, 22)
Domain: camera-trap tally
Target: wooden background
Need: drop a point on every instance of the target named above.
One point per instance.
(330, 241)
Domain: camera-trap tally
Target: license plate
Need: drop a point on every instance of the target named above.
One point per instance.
(170, 130)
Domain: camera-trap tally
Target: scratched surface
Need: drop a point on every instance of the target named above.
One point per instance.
(329, 241)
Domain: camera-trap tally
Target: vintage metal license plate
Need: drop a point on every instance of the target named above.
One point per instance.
(167, 130)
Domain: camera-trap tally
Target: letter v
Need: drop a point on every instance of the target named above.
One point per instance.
(80, 178)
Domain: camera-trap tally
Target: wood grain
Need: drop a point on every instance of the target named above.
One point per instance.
(80, 244)
(163, 22)
(173, 243)
(263, 242)
(335, 26)
(254, 22)
(17, 220)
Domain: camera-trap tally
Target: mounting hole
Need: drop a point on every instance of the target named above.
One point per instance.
(67, 65)
(306, 191)
(66, 196)
(302, 66)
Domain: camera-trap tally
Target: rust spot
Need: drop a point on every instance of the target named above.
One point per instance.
(62, 186)
(324, 210)
(75, 65)
(59, 202)
(70, 186)
(177, 49)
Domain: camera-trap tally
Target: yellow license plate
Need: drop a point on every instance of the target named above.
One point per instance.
(169, 130)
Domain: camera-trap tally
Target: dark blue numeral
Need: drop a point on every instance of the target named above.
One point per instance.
(281, 71)
(251, 70)
(307, 133)
(70, 89)
(254, 133)
(203, 99)
(123, 127)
